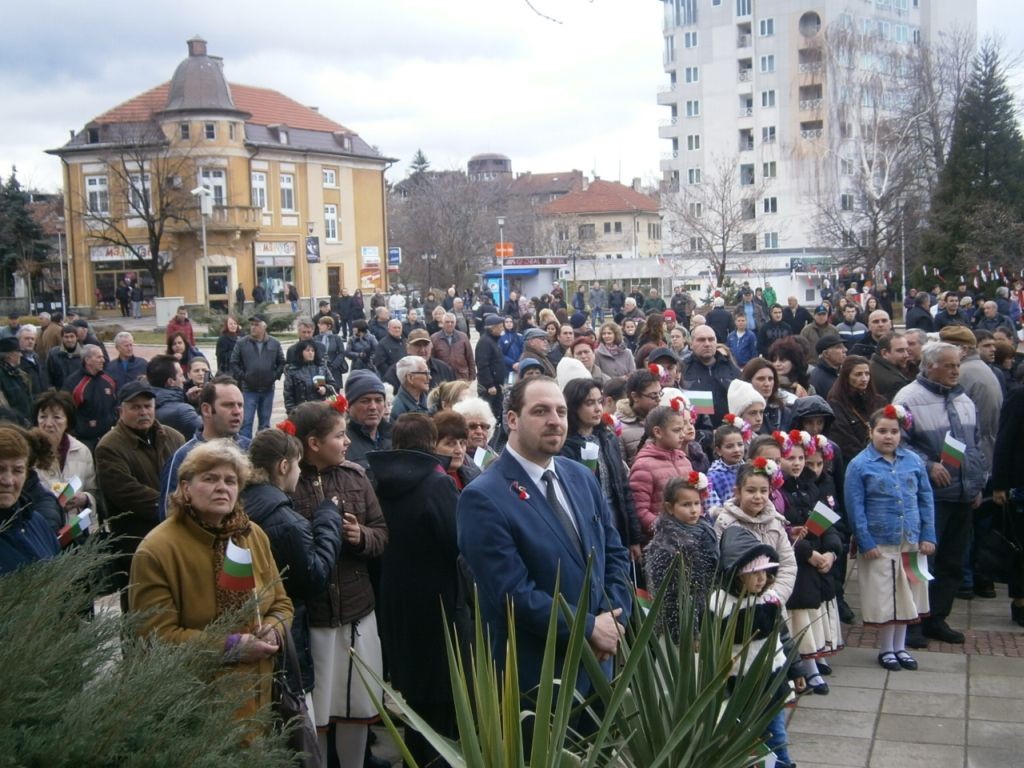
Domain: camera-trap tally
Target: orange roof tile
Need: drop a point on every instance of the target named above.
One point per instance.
(266, 106)
(602, 197)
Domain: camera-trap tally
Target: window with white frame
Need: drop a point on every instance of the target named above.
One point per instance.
(846, 201)
(330, 177)
(258, 181)
(768, 134)
(689, 39)
(139, 192)
(771, 240)
(845, 166)
(693, 108)
(696, 244)
(97, 194)
(210, 130)
(693, 175)
(330, 222)
(287, 192)
(215, 180)
(770, 205)
(766, 27)
(769, 170)
(693, 142)
(768, 63)
(696, 210)
(744, 7)
(691, 74)
(768, 98)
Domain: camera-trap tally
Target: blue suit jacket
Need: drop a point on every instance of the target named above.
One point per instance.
(516, 549)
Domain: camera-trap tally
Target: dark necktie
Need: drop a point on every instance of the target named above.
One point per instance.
(561, 513)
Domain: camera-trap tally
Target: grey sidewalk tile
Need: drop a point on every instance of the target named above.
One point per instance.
(830, 750)
(895, 754)
(997, 710)
(848, 699)
(925, 704)
(859, 725)
(997, 686)
(856, 657)
(857, 677)
(987, 757)
(932, 661)
(997, 735)
(921, 730)
(928, 682)
(1005, 666)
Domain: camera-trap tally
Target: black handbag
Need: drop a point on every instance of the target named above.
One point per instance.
(290, 707)
(997, 553)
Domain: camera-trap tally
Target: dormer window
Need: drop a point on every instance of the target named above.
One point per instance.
(94, 135)
(282, 135)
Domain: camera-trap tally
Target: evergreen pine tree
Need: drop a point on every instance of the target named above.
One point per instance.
(419, 164)
(982, 184)
(20, 237)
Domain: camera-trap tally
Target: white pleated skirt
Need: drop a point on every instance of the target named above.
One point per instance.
(339, 695)
(887, 595)
(817, 631)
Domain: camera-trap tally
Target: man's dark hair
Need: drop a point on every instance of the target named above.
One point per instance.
(208, 394)
(414, 432)
(359, 325)
(639, 380)
(160, 369)
(517, 395)
(885, 340)
(980, 334)
(615, 388)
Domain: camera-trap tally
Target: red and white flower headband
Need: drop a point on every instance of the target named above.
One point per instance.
(746, 431)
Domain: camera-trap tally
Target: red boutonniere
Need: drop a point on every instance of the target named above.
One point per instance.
(286, 426)
(520, 492)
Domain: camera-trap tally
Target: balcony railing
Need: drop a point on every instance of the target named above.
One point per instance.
(746, 146)
(666, 122)
(811, 66)
(746, 111)
(810, 103)
(744, 41)
(744, 75)
(812, 133)
(666, 87)
(245, 218)
(670, 155)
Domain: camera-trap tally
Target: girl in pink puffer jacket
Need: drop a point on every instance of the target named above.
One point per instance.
(660, 458)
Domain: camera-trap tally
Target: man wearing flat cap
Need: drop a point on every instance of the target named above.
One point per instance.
(129, 459)
(831, 352)
(491, 371)
(980, 384)
(535, 346)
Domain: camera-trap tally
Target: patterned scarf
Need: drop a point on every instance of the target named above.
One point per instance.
(235, 526)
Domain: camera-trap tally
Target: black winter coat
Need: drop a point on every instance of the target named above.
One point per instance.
(419, 573)
(714, 378)
(389, 351)
(490, 363)
(299, 387)
(812, 588)
(254, 370)
(769, 333)
(621, 501)
(1008, 460)
(44, 502)
(305, 552)
(225, 346)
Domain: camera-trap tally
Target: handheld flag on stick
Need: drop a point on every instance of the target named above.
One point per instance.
(821, 519)
(78, 525)
(915, 565)
(702, 402)
(237, 573)
(644, 598)
(589, 455)
(66, 491)
(484, 457)
(952, 451)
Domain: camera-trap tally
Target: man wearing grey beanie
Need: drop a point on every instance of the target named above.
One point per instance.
(367, 428)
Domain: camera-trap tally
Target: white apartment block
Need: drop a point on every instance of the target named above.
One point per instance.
(749, 83)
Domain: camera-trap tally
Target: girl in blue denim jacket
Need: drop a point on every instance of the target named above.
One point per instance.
(890, 507)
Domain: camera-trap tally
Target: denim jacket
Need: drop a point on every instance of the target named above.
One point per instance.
(889, 501)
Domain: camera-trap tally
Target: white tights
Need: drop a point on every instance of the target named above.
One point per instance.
(892, 638)
(349, 742)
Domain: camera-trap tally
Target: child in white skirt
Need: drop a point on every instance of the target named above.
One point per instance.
(891, 510)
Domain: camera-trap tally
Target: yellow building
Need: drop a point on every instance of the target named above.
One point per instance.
(292, 196)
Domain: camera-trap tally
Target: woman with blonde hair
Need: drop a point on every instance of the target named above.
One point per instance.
(480, 423)
(447, 394)
(613, 357)
(185, 573)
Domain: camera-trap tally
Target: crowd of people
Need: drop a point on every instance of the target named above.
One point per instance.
(478, 450)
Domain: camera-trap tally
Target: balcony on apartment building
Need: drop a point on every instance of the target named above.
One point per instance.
(810, 97)
(746, 107)
(745, 70)
(810, 61)
(744, 35)
(812, 129)
(224, 218)
(746, 143)
(667, 127)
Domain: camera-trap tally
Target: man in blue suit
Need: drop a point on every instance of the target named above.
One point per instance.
(534, 517)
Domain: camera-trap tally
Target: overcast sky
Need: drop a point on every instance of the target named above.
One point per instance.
(453, 77)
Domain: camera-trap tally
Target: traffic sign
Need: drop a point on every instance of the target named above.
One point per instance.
(394, 256)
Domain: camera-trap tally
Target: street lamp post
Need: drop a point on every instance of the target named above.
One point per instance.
(428, 257)
(501, 251)
(205, 209)
(60, 261)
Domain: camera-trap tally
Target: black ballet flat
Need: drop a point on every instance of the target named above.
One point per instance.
(905, 660)
(824, 668)
(889, 661)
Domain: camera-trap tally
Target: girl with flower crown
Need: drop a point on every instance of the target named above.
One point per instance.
(750, 507)
(813, 614)
(891, 508)
(682, 531)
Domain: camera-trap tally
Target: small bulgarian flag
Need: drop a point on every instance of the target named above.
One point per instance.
(644, 598)
(484, 457)
(952, 451)
(589, 455)
(821, 519)
(237, 574)
(765, 757)
(702, 402)
(78, 525)
(66, 491)
(915, 565)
